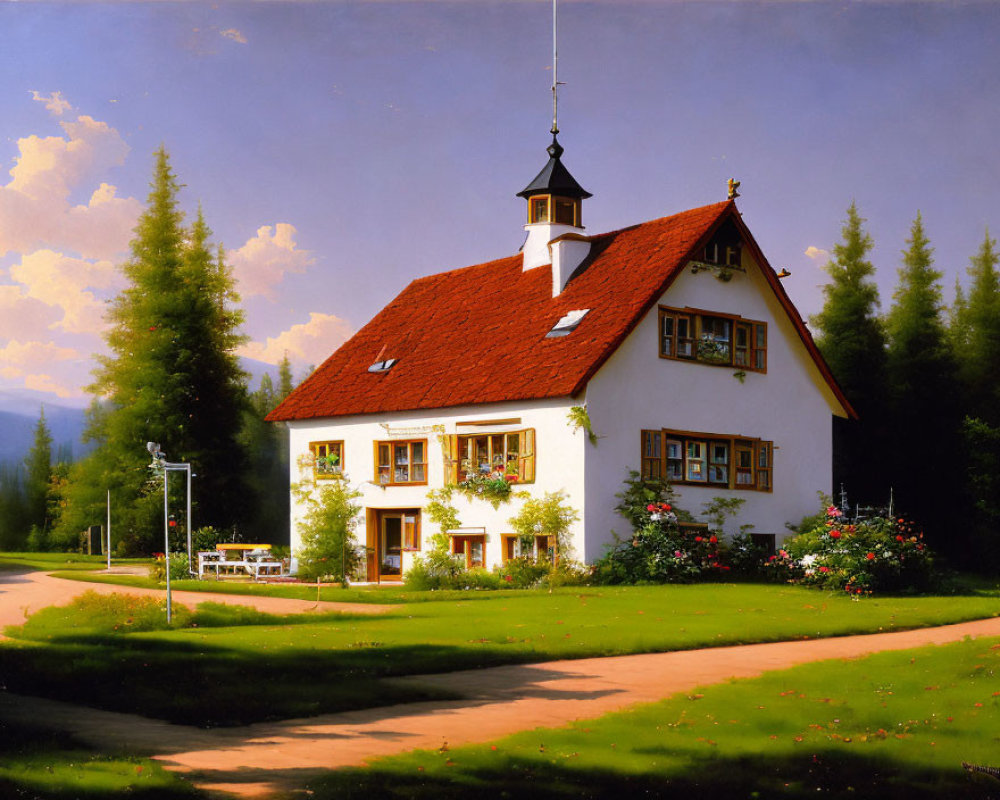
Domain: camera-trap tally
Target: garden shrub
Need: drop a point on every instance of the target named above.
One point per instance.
(658, 550)
(105, 613)
(438, 569)
(523, 572)
(179, 569)
(883, 554)
(744, 556)
(567, 573)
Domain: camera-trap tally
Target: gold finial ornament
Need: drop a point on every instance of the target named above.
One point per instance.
(732, 185)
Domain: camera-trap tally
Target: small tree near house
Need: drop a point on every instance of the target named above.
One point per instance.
(326, 528)
(548, 516)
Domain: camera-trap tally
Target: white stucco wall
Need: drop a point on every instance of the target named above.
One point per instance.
(558, 464)
(789, 405)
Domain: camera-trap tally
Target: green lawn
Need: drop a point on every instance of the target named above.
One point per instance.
(163, 673)
(893, 725)
(51, 766)
(50, 562)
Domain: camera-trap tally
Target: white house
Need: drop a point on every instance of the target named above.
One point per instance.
(675, 334)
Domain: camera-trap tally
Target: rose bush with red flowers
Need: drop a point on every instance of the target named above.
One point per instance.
(658, 550)
(882, 554)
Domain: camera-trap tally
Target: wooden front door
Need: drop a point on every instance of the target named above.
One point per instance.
(390, 533)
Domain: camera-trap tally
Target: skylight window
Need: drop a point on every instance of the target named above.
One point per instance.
(567, 324)
(383, 366)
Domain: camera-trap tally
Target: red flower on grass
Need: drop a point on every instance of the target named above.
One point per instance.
(870, 556)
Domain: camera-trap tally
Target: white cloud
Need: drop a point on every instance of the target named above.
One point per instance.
(35, 209)
(235, 35)
(54, 102)
(17, 358)
(64, 282)
(307, 343)
(817, 253)
(23, 316)
(46, 383)
(265, 259)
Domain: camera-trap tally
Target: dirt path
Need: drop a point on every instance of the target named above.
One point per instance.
(277, 758)
(22, 593)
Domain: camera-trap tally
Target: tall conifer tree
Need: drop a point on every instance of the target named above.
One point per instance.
(924, 413)
(285, 382)
(976, 343)
(171, 378)
(979, 356)
(852, 341)
(38, 467)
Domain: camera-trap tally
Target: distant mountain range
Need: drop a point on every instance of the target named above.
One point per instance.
(19, 410)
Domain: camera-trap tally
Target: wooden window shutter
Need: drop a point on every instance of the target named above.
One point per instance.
(411, 532)
(526, 471)
(451, 458)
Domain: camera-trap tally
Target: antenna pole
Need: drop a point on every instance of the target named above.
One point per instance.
(555, 74)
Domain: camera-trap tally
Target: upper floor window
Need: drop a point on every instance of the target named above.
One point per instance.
(724, 254)
(401, 462)
(708, 459)
(511, 454)
(328, 459)
(713, 338)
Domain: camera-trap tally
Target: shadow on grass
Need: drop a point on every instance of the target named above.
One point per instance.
(55, 766)
(811, 775)
(196, 683)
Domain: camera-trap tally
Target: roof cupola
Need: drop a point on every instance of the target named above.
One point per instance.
(555, 201)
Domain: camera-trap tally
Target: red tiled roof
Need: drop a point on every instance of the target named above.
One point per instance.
(477, 335)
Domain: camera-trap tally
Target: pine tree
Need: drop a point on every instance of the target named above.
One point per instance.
(852, 341)
(38, 467)
(924, 422)
(285, 384)
(171, 377)
(14, 523)
(979, 355)
(958, 323)
(975, 337)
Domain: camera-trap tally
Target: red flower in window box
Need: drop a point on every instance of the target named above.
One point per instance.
(834, 534)
(510, 478)
(713, 539)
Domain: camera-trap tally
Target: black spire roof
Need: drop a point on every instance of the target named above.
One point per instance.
(554, 177)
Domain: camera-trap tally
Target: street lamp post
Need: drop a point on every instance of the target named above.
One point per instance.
(160, 464)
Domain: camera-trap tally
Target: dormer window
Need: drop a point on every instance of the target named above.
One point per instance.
(567, 324)
(552, 208)
(383, 366)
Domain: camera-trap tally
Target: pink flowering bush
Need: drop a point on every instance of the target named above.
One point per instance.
(874, 555)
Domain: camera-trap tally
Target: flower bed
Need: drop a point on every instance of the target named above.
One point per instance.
(661, 551)
(884, 554)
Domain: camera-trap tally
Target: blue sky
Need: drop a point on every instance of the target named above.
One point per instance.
(341, 149)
